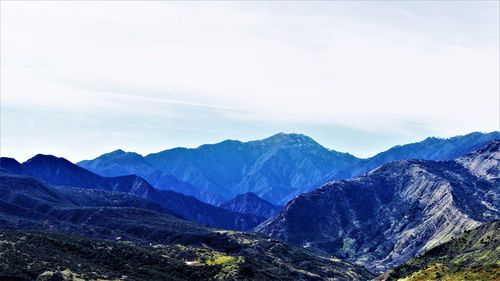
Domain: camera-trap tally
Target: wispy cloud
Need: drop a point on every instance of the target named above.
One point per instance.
(383, 68)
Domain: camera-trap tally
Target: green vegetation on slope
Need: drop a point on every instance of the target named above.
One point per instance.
(473, 255)
(50, 256)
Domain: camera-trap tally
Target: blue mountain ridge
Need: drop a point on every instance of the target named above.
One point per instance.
(276, 169)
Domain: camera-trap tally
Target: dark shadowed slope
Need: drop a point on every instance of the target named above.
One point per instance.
(395, 212)
(249, 203)
(61, 172)
(473, 255)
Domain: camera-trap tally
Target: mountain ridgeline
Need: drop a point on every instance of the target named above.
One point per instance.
(61, 172)
(249, 203)
(276, 169)
(429, 212)
(396, 211)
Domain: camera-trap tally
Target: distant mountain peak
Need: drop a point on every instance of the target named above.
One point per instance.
(120, 153)
(116, 152)
(48, 158)
(291, 139)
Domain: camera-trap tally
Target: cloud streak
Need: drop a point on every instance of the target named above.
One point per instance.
(400, 70)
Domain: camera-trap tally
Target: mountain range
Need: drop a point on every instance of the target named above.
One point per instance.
(276, 169)
(408, 219)
(61, 172)
(396, 211)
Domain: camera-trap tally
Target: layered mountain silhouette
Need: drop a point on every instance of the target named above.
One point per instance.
(396, 211)
(411, 214)
(46, 230)
(120, 163)
(276, 169)
(271, 168)
(61, 172)
(249, 203)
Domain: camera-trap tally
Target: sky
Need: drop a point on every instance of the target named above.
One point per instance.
(82, 78)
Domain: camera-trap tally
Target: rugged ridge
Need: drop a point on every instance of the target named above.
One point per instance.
(271, 168)
(276, 169)
(395, 212)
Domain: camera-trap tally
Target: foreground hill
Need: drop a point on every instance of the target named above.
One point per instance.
(396, 211)
(276, 169)
(154, 244)
(61, 172)
(249, 203)
(473, 255)
(50, 256)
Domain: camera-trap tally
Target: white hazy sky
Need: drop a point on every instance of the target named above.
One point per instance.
(82, 78)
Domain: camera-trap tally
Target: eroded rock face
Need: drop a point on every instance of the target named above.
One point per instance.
(396, 211)
(484, 163)
(473, 255)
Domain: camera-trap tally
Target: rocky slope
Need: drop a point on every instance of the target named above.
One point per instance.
(277, 168)
(473, 255)
(396, 211)
(61, 172)
(249, 203)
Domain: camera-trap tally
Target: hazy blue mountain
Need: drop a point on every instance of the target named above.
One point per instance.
(61, 172)
(276, 169)
(249, 203)
(11, 166)
(396, 211)
(430, 149)
(120, 163)
(271, 168)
